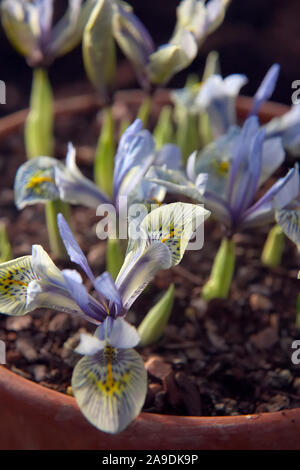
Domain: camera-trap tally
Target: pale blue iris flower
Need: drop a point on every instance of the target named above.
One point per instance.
(288, 128)
(110, 381)
(28, 25)
(217, 96)
(227, 174)
(287, 212)
(44, 179)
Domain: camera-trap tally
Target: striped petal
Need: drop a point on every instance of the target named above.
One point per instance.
(133, 38)
(173, 225)
(289, 220)
(139, 268)
(135, 151)
(110, 388)
(174, 181)
(35, 182)
(15, 276)
(161, 242)
(74, 187)
(68, 31)
(51, 289)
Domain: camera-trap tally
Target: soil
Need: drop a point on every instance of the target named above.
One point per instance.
(225, 357)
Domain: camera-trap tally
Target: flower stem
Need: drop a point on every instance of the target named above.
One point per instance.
(56, 245)
(39, 122)
(273, 247)
(217, 287)
(105, 153)
(114, 256)
(145, 109)
(39, 142)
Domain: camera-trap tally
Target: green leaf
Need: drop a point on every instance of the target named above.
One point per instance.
(39, 123)
(53, 208)
(5, 248)
(105, 154)
(222, 272)
(114, 256)
(163, 132)
(152, 327)
(187, 135)
(99, 53)
(273, 247)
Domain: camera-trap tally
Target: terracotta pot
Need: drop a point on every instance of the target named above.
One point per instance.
(34, 417)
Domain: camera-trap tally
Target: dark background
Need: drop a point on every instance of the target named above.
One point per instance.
(254, 35)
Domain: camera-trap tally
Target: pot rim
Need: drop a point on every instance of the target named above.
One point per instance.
(64, 107)
(11, 382)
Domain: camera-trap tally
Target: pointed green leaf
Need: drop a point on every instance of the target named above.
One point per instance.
(53, 208)
(163, 132)
(114, 256)
(5, 248)
(152, 327)
(222, 272)
(273, 247)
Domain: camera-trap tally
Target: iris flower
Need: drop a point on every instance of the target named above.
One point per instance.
(28, 25)
(195, 20)
(44, 178)
(227, 174)
(287, 213)
(110, 381)
(217, 96)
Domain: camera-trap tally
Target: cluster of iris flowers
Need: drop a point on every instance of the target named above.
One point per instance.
(221, 177)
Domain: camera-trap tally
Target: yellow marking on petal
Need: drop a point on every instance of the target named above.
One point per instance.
(7, 282)
(37, 180)
(167, 237)
(156, 201)
(110, 385)
(221, 168)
